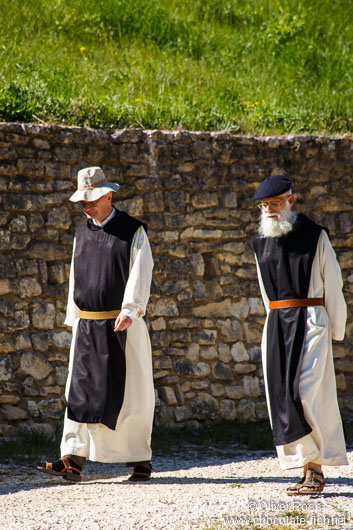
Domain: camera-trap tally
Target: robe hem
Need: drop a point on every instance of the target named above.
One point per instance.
(120, 459)
(339, 461)
(74, 453)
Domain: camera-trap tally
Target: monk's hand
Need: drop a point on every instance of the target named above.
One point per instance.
(122, 322)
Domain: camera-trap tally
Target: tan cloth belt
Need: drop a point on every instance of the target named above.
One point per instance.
(300, 302)
(98, 315)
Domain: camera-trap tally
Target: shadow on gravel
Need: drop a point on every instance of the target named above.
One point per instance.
(36, 481)
(24, 476)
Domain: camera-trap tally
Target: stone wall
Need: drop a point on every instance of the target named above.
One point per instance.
(205, 314)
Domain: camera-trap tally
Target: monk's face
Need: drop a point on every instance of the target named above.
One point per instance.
(276, 215)
(273, 206)
(98, 209)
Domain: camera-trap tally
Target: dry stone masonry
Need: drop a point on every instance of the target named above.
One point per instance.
(205, 314)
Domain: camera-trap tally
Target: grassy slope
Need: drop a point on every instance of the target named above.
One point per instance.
(257, 66)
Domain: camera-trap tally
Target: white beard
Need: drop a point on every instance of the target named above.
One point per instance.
(279, 226)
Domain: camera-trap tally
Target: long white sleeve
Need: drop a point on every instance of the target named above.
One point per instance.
(332, 279)
(71, 309)
(137, 290)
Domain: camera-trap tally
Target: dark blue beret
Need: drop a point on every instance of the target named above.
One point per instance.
(272, 186)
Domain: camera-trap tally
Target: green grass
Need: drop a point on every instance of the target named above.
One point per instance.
(261, 66)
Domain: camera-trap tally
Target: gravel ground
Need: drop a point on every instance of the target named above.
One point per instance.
(187, 491)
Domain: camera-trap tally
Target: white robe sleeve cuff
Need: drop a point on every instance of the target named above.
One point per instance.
(334, 300)
(137, 290)
(132, 311)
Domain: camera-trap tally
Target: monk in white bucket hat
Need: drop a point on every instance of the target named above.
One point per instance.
(109, 391)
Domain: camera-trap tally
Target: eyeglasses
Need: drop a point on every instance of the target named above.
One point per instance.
(272, 204)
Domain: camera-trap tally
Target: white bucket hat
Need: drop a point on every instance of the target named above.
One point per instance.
(91, 185)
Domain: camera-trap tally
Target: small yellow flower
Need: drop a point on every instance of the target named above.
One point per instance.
(83, 48)
(138, 100)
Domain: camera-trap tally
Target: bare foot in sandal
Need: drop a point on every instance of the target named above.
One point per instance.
(141, 473)
(310, 484)
(313, 484)
(63, 467)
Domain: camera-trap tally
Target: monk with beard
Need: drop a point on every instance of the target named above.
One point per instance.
(301, 286)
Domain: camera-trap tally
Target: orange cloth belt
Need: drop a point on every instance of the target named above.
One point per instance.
(300, 302)
(98, 315)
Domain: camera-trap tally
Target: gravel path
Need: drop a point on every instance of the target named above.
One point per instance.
(187, 492)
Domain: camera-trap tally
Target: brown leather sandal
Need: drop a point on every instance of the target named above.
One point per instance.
(62, 467)
(294, 490)
(313, 484)
(141, 473)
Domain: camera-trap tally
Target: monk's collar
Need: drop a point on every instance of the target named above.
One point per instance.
(106, 220)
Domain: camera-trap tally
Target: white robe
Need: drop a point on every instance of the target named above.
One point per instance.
(130, 441)
(317, 385)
